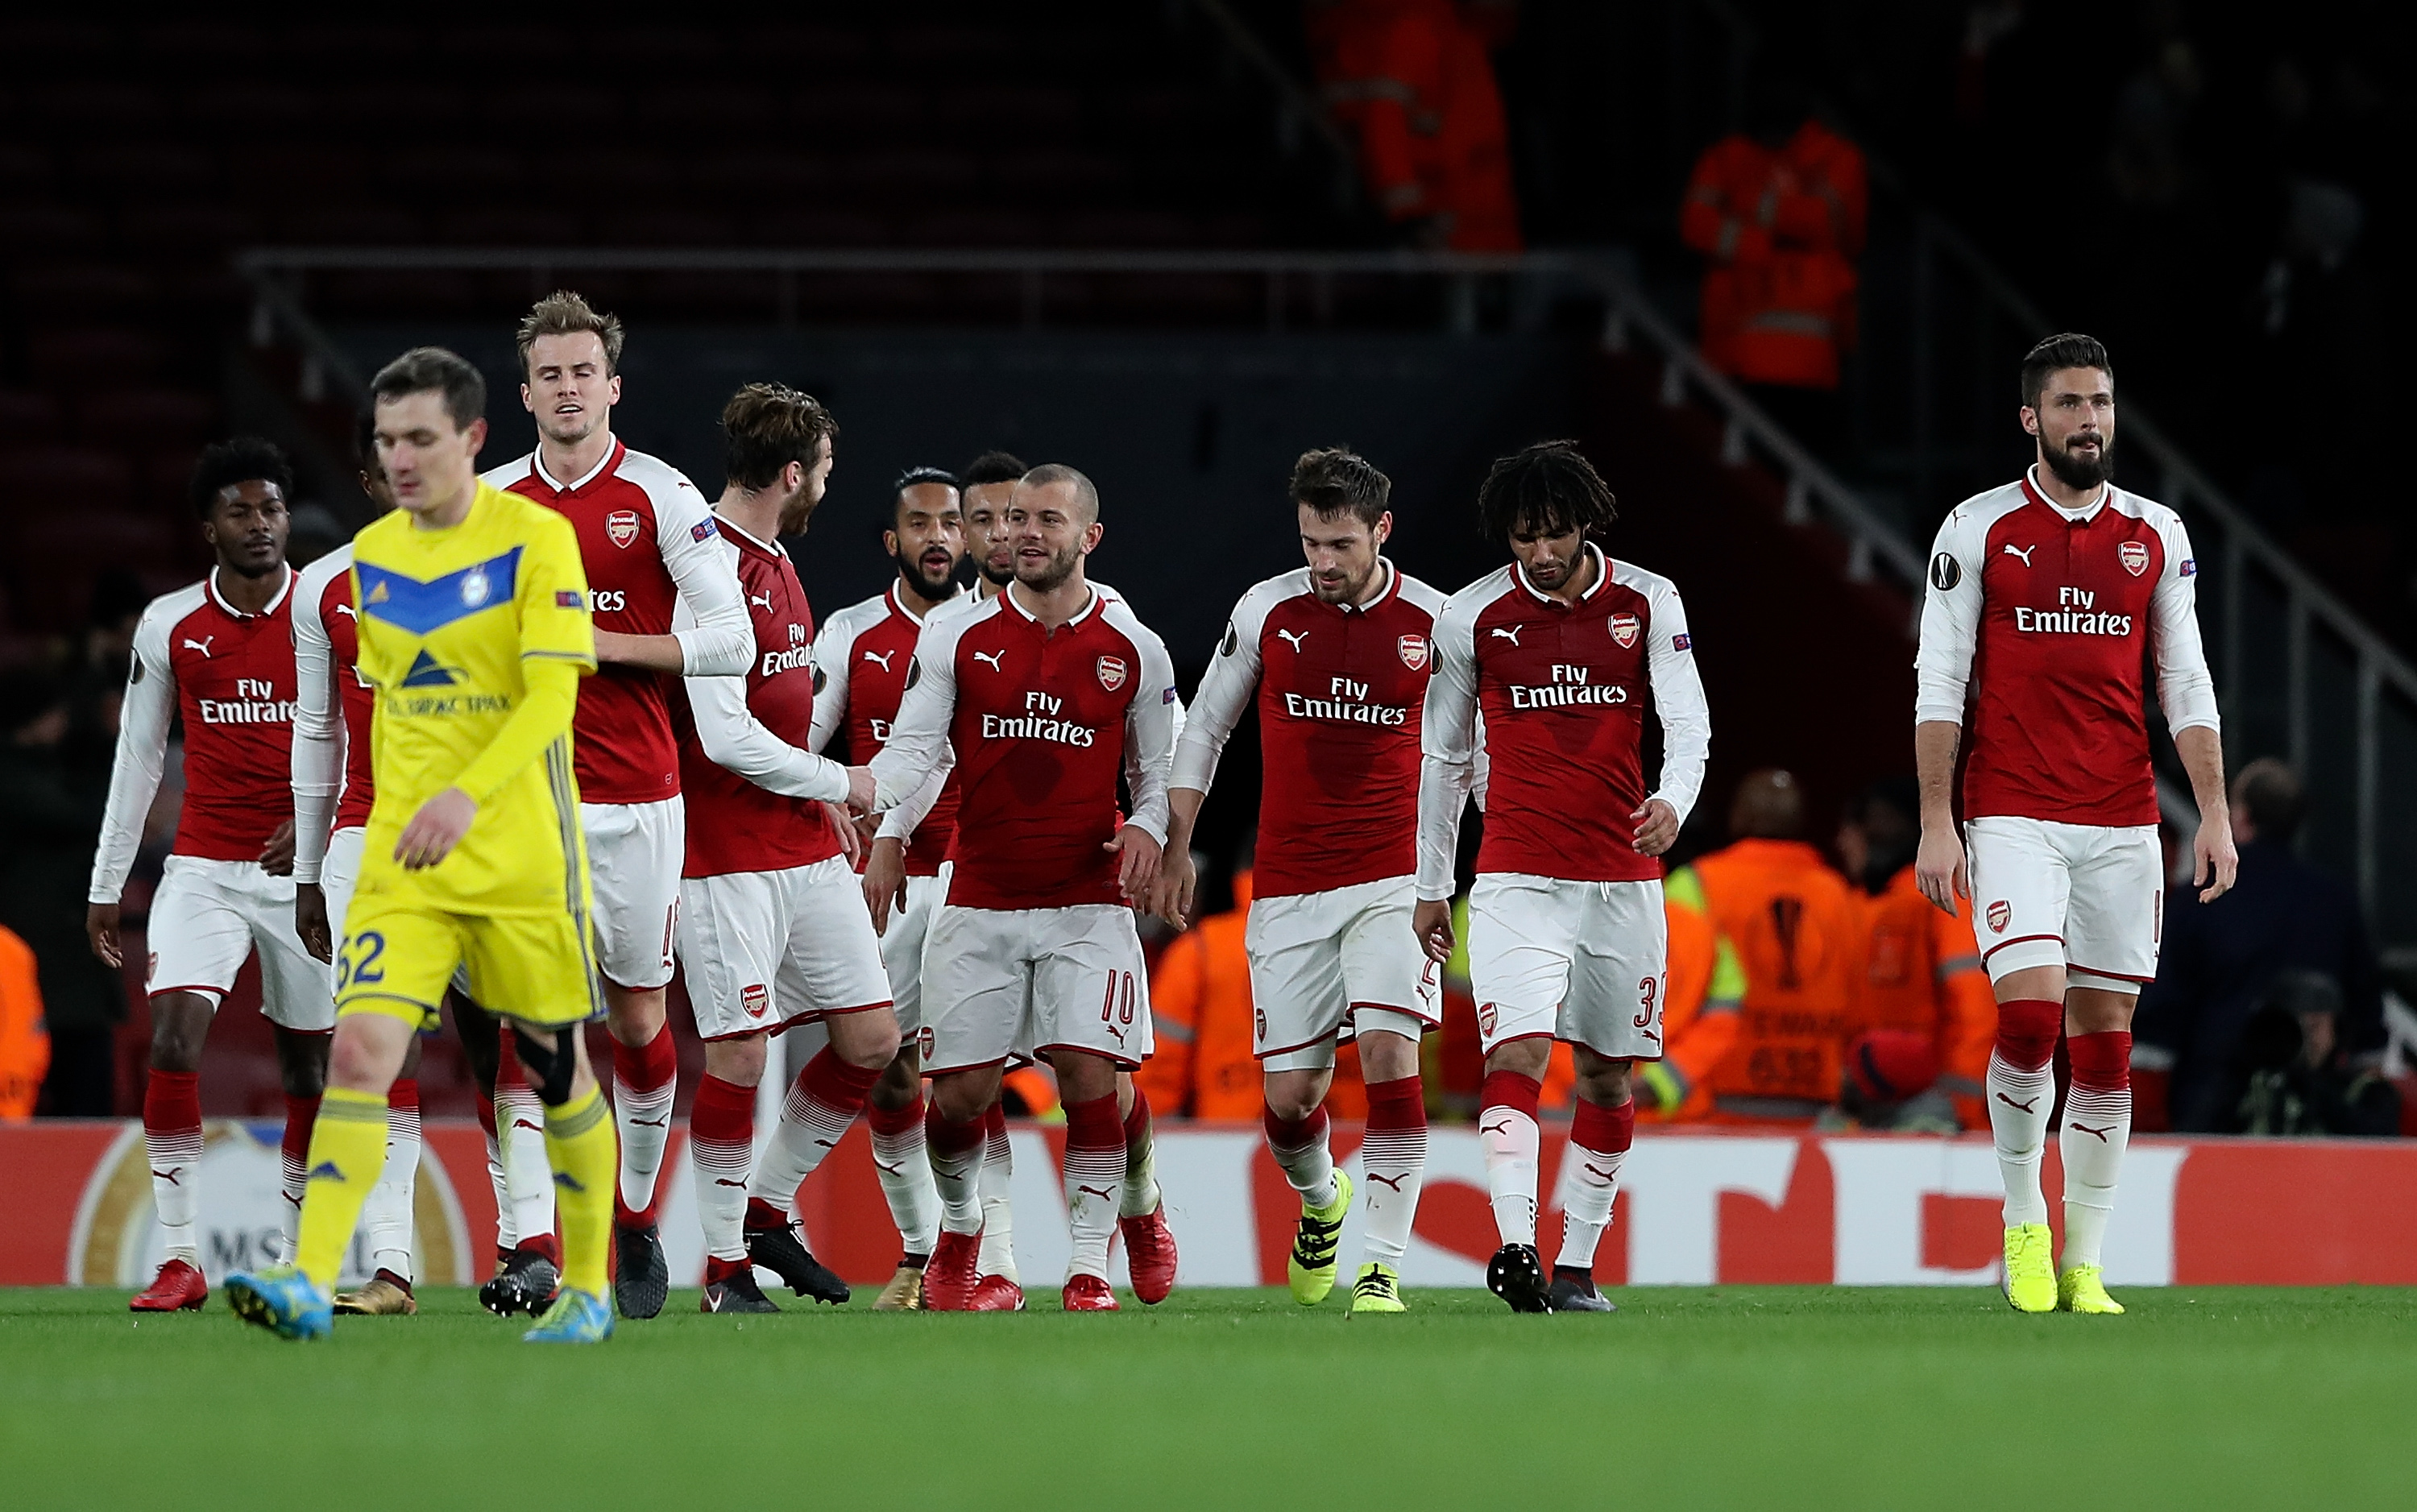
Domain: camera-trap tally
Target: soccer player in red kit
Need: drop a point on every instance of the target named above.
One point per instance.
(331, 771)
(2047, 597)
(773, 931)
(218, 655)
(647, 539)
(860, 662)
(1048, 693)
(1560, 653)
(1337, 656)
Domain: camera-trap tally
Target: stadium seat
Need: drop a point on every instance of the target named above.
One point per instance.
(45, 478)
(96, 356)
(148, 418)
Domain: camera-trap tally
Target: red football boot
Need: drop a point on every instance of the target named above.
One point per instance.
(949, 1279)
(177, 1288)
(1149, 1250)
(1090, 1293)
(996, 1293)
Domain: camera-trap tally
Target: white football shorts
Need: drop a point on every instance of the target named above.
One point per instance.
(902, 944)
(1026, 981)
(208, 915)
(1584, 961)
(2089, 897)
(634, 854)
(340, 872)
(1324, 961)
(767, 949)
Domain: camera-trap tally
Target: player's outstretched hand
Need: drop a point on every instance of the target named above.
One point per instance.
(1170, 897)
(851, 844)
(311, 920)
(433, 833)
(1431, 924)
(1657, 827)
(1938, 866)
(1137, 869)
(885, 880)
(100, 927)
(859, 789)
(277, 856)
(2215, 863)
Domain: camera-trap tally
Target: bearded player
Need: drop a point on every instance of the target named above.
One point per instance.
(2047, 597)
(860, 662)
(647, 540)
(988, 489)
(220, 656)
(1337, 655)
(474, 629)
(1048, 694)
(1560, 653)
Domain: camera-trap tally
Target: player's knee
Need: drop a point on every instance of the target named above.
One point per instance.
(551, 1063)
(1293, 1096)
(1606, 1082)
(899, 1081)
(181, 1022)
(960, 1099)
(302, 1070)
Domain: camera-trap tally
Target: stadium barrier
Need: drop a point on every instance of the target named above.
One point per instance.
(1730, 1207)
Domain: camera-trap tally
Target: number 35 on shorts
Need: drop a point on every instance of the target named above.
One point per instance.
(360, 959)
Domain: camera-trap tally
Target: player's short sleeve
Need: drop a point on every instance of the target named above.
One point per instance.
(553, 598)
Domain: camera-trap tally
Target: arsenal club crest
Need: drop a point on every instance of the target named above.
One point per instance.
(756, 998)
(1112, 673)
(2000, 915)
(622, 526)
(2133, 556)
(1414, 651)
(1623, 630)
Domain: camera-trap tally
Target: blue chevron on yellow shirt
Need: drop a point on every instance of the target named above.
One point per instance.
(447, 620)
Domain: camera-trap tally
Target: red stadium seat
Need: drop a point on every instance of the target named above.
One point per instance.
(148, 418)
(96, 356)
(35, 479)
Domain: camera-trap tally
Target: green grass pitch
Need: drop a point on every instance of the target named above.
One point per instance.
(1745, 1396)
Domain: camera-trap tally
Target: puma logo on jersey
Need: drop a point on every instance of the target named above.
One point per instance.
(348, 612)
(991, 658)
(201, 645)
(1294, 638)
(882, 658)
(1510, 634)
(2021, 553)
(763, 599)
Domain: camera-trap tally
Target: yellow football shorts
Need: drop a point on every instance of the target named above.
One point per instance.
(399, 955)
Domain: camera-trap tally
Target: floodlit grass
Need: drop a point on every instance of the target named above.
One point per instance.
(1749, 1396)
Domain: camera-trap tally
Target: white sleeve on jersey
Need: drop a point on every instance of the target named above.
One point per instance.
(732, 737)
(1951, 617)
(1149, 731)
(1448, 736)
(919, 740)
(142, 752)
(318, 761)
(901, 822)
(1225, 692)
(719, 639)
(832, 644)
(2185, 690)
(1679, 696)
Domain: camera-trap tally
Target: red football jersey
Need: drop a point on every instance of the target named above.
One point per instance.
(230, 677)
(327, 636)
(1340, 690)
(749, 783)
(647, 539)
(1043, 723)
(1563, 690)
(2035, 631)
(860, 662)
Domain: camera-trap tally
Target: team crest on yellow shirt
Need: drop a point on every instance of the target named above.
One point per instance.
(1112, 673)
(621, 526)
(476, 586)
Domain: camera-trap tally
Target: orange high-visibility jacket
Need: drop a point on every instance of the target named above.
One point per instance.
(1797, 929)
(1200, 1019)
(24, 1044)
(1920, 973)
(1380, 73)
(1699, 1007)
(1781, 230)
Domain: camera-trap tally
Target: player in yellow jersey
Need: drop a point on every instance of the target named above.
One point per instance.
(474, 631)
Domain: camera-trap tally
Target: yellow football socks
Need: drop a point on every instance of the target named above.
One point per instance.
(580, 1147)
(347, 1157)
